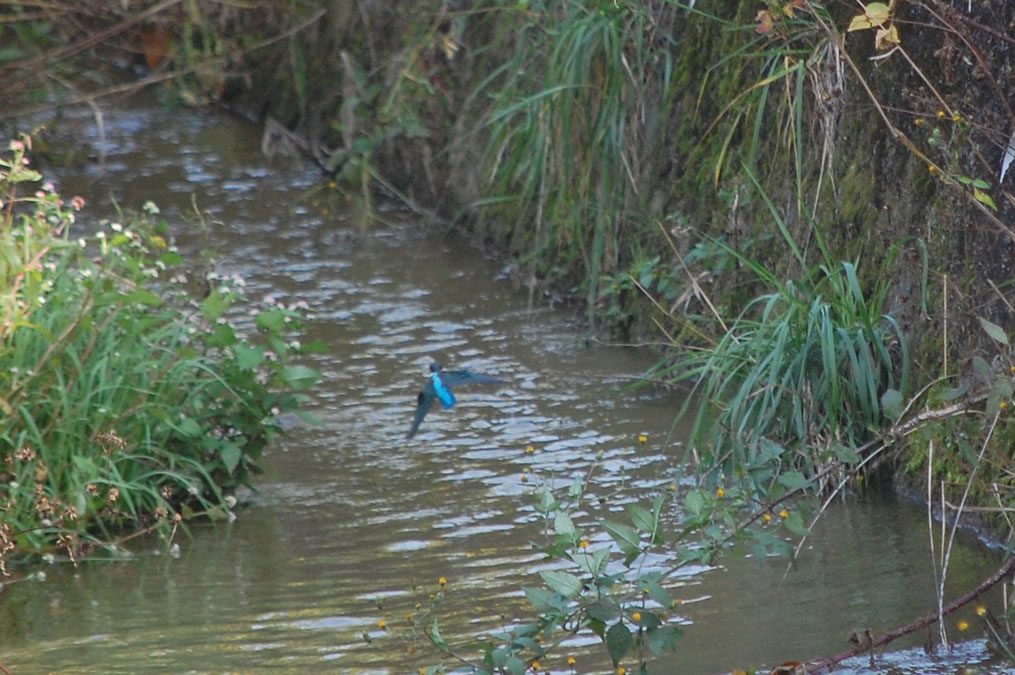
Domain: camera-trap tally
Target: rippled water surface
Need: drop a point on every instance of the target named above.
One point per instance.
(353, 524)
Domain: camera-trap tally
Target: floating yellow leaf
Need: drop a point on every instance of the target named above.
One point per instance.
(874, 14)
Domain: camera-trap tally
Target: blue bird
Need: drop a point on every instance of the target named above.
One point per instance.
(438, 386)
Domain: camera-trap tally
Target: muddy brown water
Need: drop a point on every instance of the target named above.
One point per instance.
(353, 524)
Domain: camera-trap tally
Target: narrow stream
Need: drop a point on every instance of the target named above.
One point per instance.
(353, 524)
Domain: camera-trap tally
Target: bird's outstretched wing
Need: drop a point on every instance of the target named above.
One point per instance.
(424, 401)
(453, 378)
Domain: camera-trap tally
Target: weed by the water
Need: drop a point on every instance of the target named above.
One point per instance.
(127, 402)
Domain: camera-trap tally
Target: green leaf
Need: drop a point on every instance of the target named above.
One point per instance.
(564, 583)
(766, 543)
(649, 620)
(845, 453)
(641, 518)
(307, 418)
(144, 297)
(247, 357)
(545, 503)
(435, 637)
(985, 199)
(515, 666)
(626, 537)
(542, 600)
(576, 488)
(564, 526)
(230, 456)
(188, 426)
(215, 305)
(794, 480)
(222, 335)
(950, 394)
(272, 320)
(982, 370)
(618, 641)
(592, 562)
(171, 258)
(657, 592)
(528, 643)
(663, 639)
(604, 610)
(300, 377)
(994, 331)
(795, 524)
(891, 403)
(694, 502)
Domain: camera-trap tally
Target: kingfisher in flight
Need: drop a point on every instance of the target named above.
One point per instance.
(438, 386)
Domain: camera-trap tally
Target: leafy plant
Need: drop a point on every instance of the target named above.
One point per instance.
(814, 363)
(126, 403)
(617, 589)
(560, 150)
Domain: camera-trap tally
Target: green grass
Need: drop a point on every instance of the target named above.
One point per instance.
(127, 403)
(562, 162)
(807, 370)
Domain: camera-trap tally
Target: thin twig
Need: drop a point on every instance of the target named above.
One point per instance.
(1004, 571)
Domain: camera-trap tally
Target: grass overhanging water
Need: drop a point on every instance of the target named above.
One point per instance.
(130, 404)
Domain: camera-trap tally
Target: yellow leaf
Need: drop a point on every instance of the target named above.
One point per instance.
(886, 38)
(874, 14)
(984, 198)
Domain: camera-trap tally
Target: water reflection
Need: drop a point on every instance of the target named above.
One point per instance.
(354, 525)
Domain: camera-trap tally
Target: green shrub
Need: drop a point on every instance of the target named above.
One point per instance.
(127, 404)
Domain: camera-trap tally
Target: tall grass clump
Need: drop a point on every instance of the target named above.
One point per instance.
(127, 403)
(568, 150)
(808, 370)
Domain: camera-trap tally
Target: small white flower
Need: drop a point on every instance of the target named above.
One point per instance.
(150, 208)
(116, 227)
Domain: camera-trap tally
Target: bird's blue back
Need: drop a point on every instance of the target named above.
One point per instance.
(443, 393)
